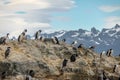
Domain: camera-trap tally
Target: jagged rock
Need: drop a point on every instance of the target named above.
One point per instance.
(90, 73)
(46, 60)
(90, 56)
(83, 63)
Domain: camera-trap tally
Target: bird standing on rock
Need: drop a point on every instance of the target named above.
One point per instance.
(7, 52)
(4, 40)
(64, 63)
(3, 75)
(102, 53)
(115, 68)
(28, 77)
(22, 36)
(92, 47)
(74, 43)
(73, 57)
(80, 46)
(56, 39)
(37, 34)
(109, 52)
(32, 73)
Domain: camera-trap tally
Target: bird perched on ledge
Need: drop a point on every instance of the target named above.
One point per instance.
(7, 52)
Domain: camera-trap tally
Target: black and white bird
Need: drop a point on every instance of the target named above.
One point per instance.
(115, 68)
(3, 40)
(73, 57)
(102, 53)
(37, 34)
(57, 41)
(7, 52)
(109, 52)
(24, 32)
(74, 42)
(41, 38)
(64, 63)
(22, 36)
(104, 75)
(92, 47)
(32, 73)
(80, 46)
(3, 75)
(28, 77)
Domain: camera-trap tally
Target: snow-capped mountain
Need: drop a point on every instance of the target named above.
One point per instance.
(103, 40)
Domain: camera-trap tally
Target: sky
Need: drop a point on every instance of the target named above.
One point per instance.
(54, 15)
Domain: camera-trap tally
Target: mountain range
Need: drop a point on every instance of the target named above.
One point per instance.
(103, 40)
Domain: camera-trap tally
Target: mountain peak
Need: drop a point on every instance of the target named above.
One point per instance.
(94, 30)
(82, 31)
(117, 26)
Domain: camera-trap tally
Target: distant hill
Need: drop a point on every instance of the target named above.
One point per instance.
(103, 40)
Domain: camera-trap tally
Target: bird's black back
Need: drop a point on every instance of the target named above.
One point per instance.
(7, 52)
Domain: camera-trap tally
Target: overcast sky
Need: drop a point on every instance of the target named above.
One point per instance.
(52, 15)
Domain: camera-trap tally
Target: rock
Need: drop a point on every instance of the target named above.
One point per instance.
(46, 60)
(83, 63)
(90, 72)
(53, 71)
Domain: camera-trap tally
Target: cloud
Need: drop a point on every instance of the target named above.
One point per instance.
(16, 15)
(63, 18)
(109, 8)
(112, 21)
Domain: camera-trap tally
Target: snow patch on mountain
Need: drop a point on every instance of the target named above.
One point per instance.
(61, 34)
(97, 43)
(87, 33)
(75, 35)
